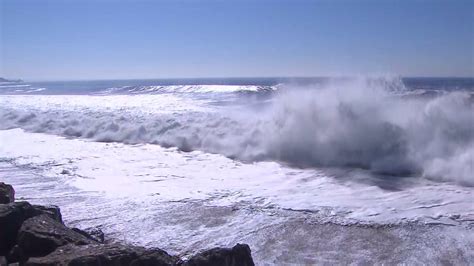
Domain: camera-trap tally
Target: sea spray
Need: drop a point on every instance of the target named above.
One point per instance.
(374, 124)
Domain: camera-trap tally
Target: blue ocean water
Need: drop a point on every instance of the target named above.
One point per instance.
(94, 86)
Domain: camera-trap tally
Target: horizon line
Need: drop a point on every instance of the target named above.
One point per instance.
(234, 77)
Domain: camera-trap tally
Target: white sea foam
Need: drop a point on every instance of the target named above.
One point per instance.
(187, 89)
(353, 123)
(147, 173)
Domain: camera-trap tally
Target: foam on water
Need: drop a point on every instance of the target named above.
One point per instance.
(362, 123)
(148, 172)
(275, 235)
(187, 89)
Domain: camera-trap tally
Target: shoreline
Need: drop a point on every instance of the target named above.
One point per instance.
(37, 235)
(276, 235)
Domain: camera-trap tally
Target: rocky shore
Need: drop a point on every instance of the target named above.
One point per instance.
(36, 235)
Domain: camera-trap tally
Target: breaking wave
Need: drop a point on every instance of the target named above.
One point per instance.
(187, 89)
(353, 123)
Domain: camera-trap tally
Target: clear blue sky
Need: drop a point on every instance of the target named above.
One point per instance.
(105, 39)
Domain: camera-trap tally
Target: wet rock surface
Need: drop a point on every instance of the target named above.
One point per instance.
(12, 216)
(7, 193)
(36, 235)
(239, 255)
(41, 235)
(52, 211)
(93, 233)
(108, 254)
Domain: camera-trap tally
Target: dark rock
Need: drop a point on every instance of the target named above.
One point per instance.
(15, 254)
(12, 217)
(150, 257)
(3, 261)
(92, 233)
(41, 235)
(52, 211)
(36, 235)
(65, 172)
(239, 255)
(7, 193)
(105, 254)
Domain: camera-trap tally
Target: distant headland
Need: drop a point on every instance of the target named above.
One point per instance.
(10, 80)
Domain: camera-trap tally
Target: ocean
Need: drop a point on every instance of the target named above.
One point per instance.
(357, 170)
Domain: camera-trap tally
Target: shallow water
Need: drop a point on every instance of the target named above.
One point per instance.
(276, 235)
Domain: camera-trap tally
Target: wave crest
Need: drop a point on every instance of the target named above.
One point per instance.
(353, 123)
(188, 89)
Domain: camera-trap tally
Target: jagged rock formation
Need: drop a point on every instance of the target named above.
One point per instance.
(36, 235)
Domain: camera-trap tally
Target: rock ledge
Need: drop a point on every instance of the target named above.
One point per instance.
(36, 235)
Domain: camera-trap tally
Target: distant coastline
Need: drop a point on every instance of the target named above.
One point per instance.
(238, 80)
(10, 80)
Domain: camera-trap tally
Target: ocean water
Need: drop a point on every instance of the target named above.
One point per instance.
(305, 170)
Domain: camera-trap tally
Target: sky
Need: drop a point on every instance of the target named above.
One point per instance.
(106, 39)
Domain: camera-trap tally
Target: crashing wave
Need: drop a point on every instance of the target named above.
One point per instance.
(351, 123)
(187, 89)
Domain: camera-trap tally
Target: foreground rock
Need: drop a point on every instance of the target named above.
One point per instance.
(36, 235)
(239, 255)
(13, 215)
(52, 211)
(7, 193)
(110, 254)
(94, 234)
(106, 254)
(41, 235)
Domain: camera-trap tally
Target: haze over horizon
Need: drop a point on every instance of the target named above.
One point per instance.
(78, 40)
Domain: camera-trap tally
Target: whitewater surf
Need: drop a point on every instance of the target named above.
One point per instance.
(296, 168)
